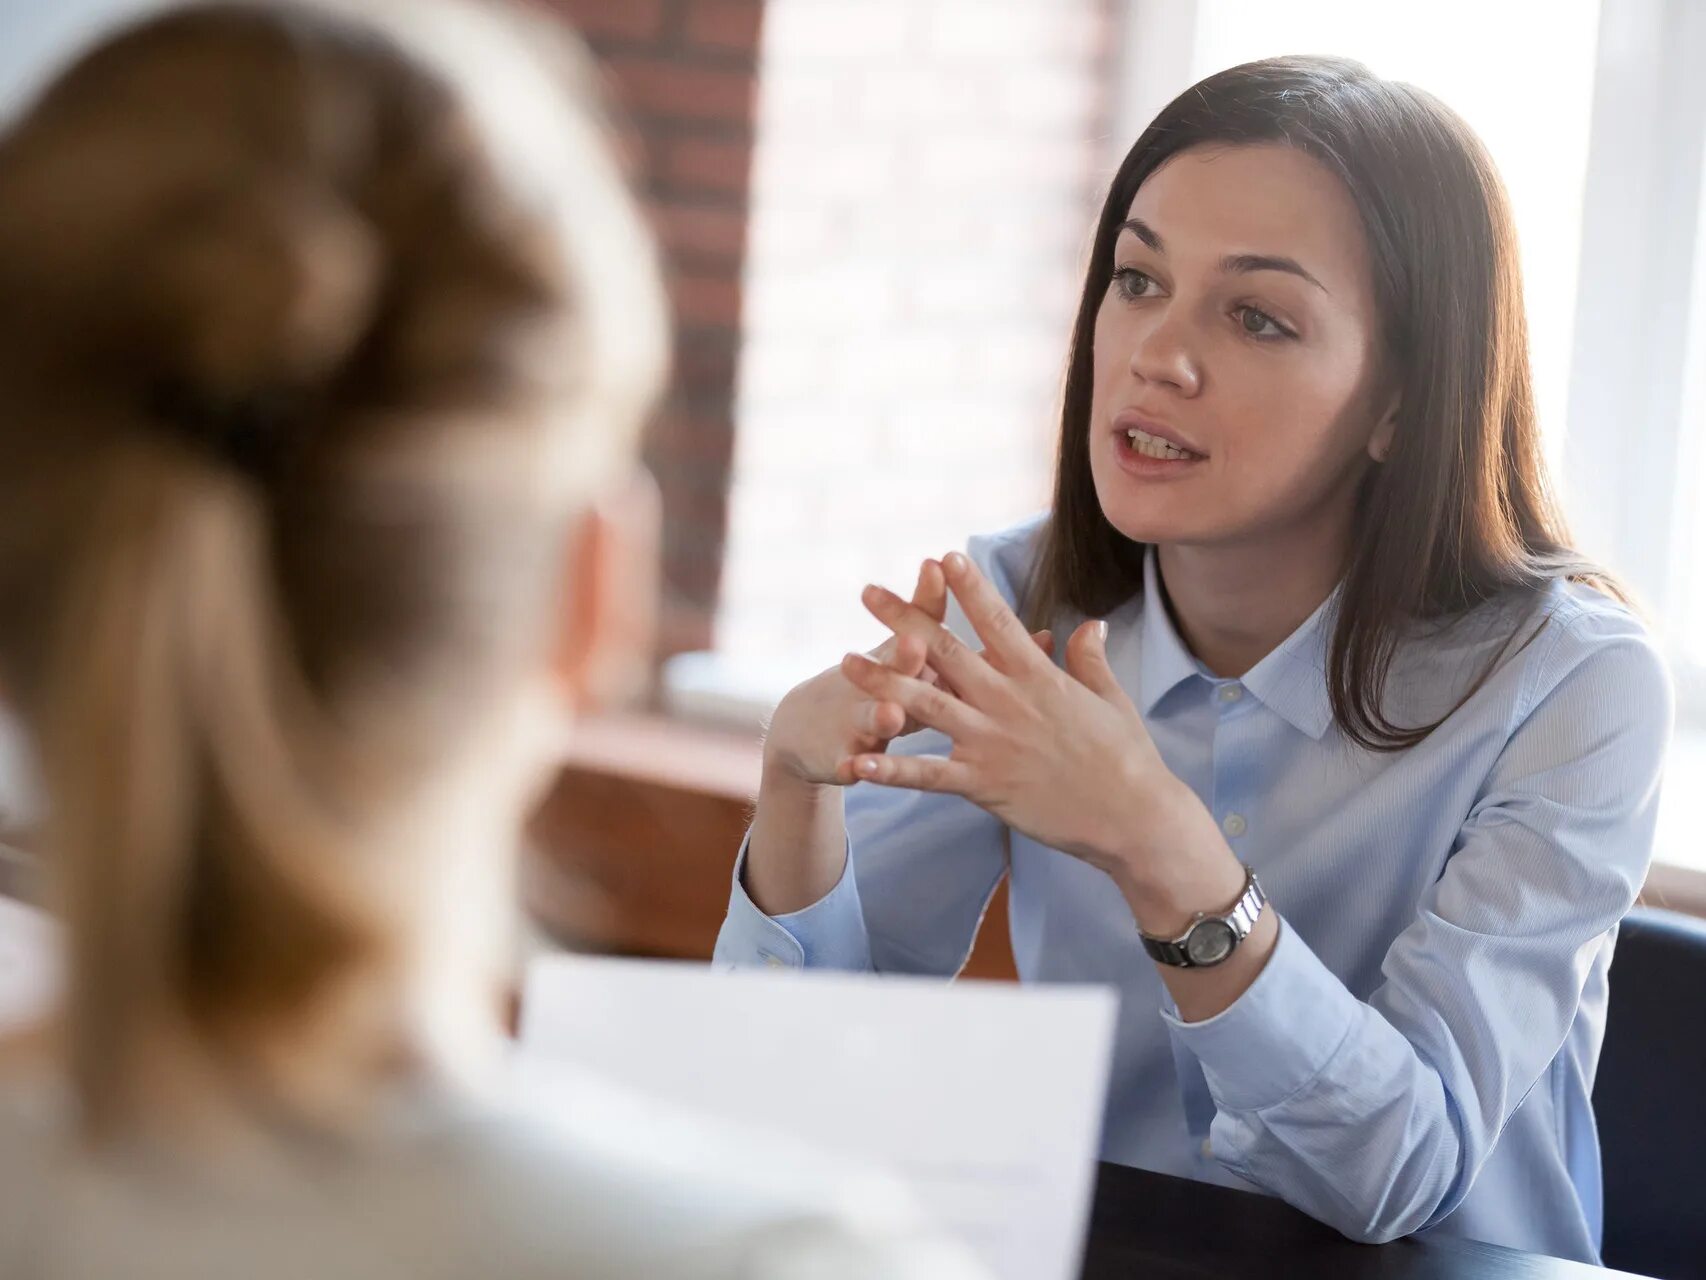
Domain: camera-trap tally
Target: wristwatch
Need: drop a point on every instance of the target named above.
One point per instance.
(1211, 938)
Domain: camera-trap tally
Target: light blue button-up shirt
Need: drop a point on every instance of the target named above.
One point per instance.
(1419, 1051)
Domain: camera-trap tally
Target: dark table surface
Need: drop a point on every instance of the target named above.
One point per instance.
(1148, 1226)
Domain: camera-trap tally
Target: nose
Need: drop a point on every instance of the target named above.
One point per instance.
(1161, 356)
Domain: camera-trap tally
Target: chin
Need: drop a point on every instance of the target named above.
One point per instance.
(1153, 521)
(1189, 530)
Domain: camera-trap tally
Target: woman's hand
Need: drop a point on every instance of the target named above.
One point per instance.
(823, 721)
(1062, 756)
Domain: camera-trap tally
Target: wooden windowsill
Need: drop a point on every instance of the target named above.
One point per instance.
(1676, 889)
(637, 840)
(670, 753)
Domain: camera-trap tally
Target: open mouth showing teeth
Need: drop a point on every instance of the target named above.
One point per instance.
(1155, 447)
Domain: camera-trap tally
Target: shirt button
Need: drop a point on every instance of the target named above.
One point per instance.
(1208, 1148)
(775, 962)
(1234, 825)
(1231, 692)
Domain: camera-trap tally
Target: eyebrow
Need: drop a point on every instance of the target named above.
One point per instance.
(1236, 263)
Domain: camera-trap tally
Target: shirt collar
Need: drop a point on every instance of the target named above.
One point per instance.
(1291, 681)
(1163, 661)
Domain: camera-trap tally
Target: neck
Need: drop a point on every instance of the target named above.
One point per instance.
(425, 1010)
(1235, 604)
(464, 940)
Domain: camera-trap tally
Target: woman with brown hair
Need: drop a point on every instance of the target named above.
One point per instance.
(322, 333)
(1350, 768)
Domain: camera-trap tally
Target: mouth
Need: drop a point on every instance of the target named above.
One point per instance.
(1150, 449)
(1154, 446)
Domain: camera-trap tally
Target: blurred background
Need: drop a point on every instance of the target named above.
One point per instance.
(874, 216)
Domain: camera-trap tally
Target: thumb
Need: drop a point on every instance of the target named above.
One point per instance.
(1087, 661)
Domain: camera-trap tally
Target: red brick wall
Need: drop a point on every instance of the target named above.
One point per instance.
(685, 74)
(899, 255)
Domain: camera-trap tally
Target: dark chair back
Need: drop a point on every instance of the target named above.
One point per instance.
(1648, 1099)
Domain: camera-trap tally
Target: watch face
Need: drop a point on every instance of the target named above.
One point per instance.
(1210, 942)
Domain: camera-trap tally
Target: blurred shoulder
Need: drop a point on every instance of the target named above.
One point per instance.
(35, 1142)
(579, 1178)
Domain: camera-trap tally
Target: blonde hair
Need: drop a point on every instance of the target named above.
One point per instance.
(315, 328)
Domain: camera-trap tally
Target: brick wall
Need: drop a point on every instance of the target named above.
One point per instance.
(685, 74)
(924, 188)
(873, 213)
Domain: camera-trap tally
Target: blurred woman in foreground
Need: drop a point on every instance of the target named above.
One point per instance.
(320, 336)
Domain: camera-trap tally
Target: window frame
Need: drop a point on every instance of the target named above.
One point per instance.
(1641, 314)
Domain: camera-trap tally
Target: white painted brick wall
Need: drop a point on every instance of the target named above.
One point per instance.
(925, 179)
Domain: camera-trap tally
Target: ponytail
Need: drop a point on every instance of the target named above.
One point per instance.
(197, 871)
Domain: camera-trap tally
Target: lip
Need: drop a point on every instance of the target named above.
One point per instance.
(1127, 419)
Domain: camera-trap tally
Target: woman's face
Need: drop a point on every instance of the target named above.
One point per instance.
(1239, 325)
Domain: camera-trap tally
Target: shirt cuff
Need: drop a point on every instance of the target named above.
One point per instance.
(1276, 1038)
(829, 934)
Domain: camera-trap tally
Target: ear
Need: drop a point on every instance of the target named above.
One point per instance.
(607, 622)
(1380, 443)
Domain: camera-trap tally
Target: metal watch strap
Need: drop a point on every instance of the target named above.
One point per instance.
(1240, 920)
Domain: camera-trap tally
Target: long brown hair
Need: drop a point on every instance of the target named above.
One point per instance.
(309, 347)
(1460, 512)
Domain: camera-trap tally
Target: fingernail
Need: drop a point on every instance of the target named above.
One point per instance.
(955, 561)
(1102, 630)
(867, 767)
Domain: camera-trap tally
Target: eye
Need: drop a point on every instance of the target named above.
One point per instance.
(1132, 283)
(1259, 324)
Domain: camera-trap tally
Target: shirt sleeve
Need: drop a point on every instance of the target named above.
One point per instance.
(1375, 1116)
(920, 870)
(829, 934)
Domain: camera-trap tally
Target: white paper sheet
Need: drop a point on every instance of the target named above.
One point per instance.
(985, 1097)
(29, 964)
